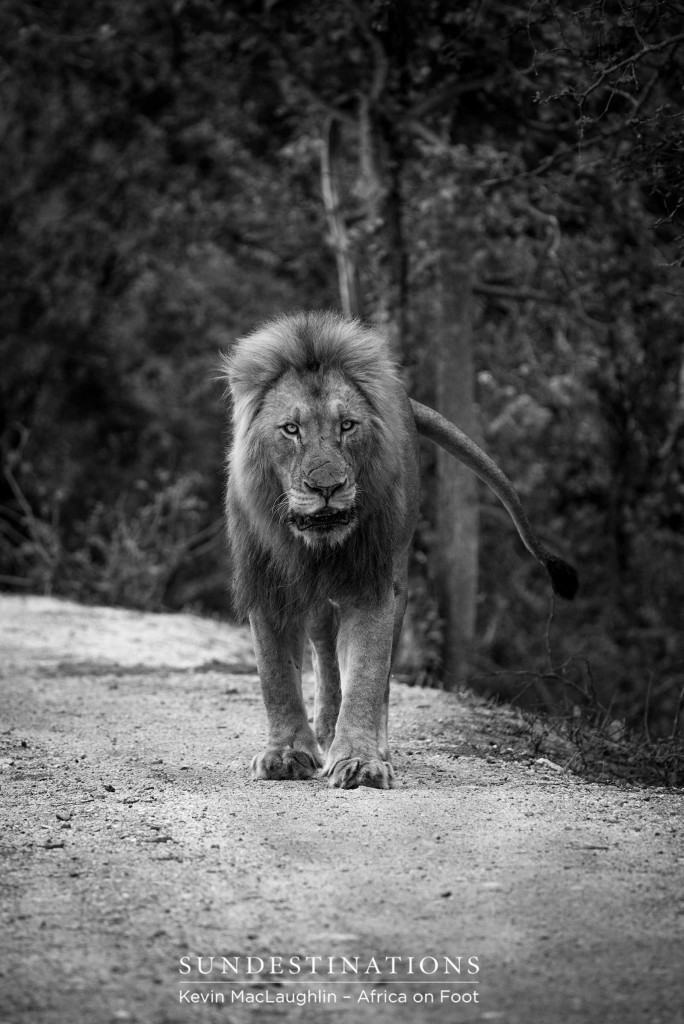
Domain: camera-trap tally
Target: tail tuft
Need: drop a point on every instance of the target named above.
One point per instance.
(564, 579)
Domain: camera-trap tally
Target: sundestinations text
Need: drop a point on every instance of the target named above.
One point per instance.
(329, 965)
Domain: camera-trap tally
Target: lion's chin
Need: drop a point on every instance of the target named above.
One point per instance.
(327, 528)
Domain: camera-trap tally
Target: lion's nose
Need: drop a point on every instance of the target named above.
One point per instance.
(325, 491)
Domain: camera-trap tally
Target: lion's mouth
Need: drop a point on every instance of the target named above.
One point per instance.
(326, 519)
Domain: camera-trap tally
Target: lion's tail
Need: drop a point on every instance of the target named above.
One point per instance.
(564, 578)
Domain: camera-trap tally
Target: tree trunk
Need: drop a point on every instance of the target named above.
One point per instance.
(337, 228)
(373, 253)
(382, 247)
(455, 555)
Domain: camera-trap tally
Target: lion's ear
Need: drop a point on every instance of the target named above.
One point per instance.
(242, 387)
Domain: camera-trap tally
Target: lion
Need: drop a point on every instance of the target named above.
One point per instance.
(322, 502)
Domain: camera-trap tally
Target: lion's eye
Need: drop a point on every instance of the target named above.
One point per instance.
(292, 429)
(347, 425)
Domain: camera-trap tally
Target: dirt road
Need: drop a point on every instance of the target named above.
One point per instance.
(135, 847)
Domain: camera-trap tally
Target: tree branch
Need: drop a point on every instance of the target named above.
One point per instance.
(651, 48)
(444, 95)
(381, 63)
(496, 291)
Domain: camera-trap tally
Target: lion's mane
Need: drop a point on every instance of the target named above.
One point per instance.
(272, 569)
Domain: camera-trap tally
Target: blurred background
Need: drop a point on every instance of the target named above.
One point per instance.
(500, 185)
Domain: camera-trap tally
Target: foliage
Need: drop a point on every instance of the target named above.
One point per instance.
(139, 206)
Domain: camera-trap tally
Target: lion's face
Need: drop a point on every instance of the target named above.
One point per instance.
(313, 428)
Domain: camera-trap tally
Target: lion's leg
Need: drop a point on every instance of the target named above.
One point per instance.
(400, 599)
(364, 646)
(323, 635)
(292, 752)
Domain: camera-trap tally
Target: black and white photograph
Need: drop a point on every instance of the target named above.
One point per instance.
(341, 512)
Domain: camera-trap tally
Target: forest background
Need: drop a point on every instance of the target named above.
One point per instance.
(500, 185)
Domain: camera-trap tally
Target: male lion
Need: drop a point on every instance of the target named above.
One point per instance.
(322, 503)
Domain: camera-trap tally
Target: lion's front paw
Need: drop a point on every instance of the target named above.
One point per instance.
(352, 772)
(285, 763)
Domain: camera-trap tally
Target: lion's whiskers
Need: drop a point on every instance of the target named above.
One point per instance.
(280, 508)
